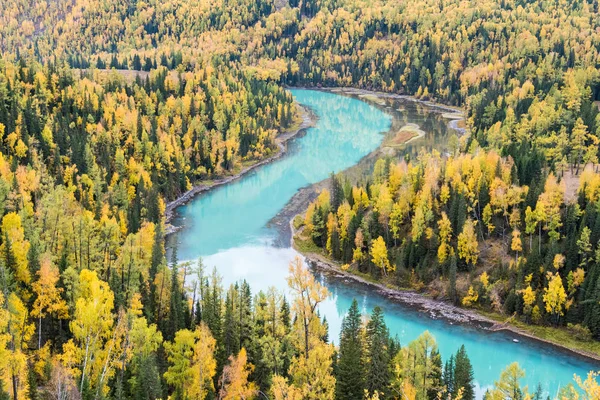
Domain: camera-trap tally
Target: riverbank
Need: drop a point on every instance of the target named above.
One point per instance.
(307, 119)
(395, 143)
(439, 309)
(557, 338)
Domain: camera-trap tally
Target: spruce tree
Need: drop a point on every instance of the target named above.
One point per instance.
(463, 375)
(539, 393)
(448, 375)
(230, 330)
(176, 311)
(337, 192)
(155, 263)
(378, 374)
(245, 321)
(350, 367)
(284, 315)
(452, 293)
(434, 374)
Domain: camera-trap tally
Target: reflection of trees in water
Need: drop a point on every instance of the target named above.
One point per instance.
(345, 129)
(430, 121)
(428, 118)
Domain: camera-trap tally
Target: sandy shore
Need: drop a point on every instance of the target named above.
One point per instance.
(308, 119)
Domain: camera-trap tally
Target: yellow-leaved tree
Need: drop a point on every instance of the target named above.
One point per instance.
(445, 233)
(48, 299)
(379, 255)
(15, 332)
(528, 299)
(555, 296)
(234, 381)
(468, 248)
(16, 247)
(192, 363)
(204, 364)
(311, 370)
(91, 325)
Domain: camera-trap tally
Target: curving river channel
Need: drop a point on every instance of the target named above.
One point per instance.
(229, 227)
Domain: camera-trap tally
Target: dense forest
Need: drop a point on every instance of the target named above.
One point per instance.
(468, 229)
(111, 108)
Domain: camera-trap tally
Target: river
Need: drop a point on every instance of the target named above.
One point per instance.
(229, 227)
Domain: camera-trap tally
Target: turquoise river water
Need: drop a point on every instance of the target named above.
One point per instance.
(228, 227)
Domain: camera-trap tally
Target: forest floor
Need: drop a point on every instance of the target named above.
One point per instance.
(306, 119)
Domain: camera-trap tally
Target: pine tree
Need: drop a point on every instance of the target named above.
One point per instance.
(448, 375)
(452, 280)
(351, 370)
(377, 376)
(435, 373)
(176, 311)
(463, 375)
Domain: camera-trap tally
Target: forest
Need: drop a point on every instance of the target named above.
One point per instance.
(467, 229)
(110, 109)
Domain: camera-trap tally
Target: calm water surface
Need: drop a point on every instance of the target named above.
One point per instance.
(228, 227)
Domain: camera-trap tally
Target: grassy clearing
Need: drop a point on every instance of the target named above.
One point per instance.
(298, 222)
(559, 336)
(306, 245)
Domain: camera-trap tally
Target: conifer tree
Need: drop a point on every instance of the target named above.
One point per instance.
(448, 375)
(350, 365)
(377, 375)
(463, 375)
(176, 320)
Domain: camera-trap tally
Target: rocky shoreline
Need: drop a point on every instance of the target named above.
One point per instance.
(438, 309)
(309, 119)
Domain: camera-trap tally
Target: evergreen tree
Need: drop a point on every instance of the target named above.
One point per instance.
(147, 384)
(452, 280)
(155, 263)
(176, 319)
(378, 375)
(434, 374)
(231, 335)
(448, 375)
(245, 321)
(539, 393)
(463, 375)
(337, 191)
(350, 366)
(284, 315)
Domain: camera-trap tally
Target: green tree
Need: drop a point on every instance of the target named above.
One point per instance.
(378, 374)
(463, 375)
(350, 365)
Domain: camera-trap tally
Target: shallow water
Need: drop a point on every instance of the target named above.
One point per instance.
(228, 227)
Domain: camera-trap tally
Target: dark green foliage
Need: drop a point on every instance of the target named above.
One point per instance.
(463, 375)
(378, 374)
(452, 293)
(350, 365)
(448, 375)
(435, 374)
